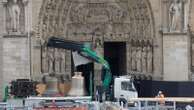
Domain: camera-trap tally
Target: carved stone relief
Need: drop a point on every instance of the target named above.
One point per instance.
(53, 60)
(142, 56)
(85, 19)
(174, 15)
(175, 11)
(15, 16)
(108, 20)
(52, 18)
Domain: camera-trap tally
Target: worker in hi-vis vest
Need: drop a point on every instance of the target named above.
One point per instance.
(161, 95)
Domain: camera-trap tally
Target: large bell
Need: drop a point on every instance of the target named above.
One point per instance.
(51, 86)
(77, 85)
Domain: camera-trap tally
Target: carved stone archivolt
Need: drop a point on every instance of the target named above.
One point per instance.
(112, 20)
(142, 56)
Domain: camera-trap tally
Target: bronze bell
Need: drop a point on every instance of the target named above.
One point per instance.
(77, 85)
(51, 85)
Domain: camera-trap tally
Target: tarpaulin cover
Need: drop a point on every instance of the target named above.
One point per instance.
(149, 88)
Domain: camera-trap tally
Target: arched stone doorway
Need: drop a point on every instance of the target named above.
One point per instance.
(127, 21)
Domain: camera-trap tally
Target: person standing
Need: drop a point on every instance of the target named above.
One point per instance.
(161, 95)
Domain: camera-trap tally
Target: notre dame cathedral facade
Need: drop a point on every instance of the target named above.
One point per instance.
(149, 39)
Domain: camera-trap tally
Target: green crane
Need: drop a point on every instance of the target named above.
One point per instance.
(84, 51)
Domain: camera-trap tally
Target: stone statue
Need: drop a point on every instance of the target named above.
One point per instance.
(175, 11)
(14, 11)
(15, 16)
(45, 60)
(133, 58)
(57, 61)
(138, 59)
(63, 61)
(149, 59)
(98, 43)
(51, 60)
(144, 60)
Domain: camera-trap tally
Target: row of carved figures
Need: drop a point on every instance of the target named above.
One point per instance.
(142, 58)
(52, 60)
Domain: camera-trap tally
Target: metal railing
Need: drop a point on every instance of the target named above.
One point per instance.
(170, 103)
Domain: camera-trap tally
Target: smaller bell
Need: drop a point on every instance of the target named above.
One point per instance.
(77, 85)
(51, 85)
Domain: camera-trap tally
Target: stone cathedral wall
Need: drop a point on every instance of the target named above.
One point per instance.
(141, 24)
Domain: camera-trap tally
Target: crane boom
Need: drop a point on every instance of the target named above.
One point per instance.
(84, 51)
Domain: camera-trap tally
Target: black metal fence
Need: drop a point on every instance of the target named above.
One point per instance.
(150, 88)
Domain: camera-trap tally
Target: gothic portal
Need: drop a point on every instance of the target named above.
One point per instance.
(150, 39)
(127, 21)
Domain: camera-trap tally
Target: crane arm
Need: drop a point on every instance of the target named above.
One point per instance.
(84, 51)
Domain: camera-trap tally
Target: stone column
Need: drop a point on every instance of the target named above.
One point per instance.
(186, 9)
(128, 58)
(158, 58)
(36, 59)
(68, 62)
(98, 72)
(98, 47)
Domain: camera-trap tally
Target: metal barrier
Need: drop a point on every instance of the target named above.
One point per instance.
(155, 103)
(142, 104)
(41, 108)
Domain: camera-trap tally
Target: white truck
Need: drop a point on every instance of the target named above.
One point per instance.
(124, 87)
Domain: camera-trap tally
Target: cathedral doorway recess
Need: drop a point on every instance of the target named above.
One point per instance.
(115, 54)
